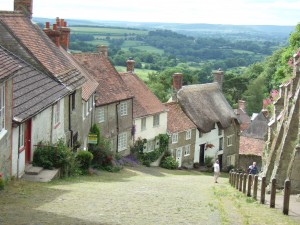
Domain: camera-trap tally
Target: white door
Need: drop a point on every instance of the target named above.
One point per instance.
(179, 156)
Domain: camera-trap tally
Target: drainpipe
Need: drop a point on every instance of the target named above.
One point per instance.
(117, 117)
(51, 124)
(18, 152)
(70, 127)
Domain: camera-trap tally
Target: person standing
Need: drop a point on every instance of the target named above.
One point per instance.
(253, 169)
(216, 171)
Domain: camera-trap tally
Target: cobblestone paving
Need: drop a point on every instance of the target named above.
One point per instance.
(137, 195)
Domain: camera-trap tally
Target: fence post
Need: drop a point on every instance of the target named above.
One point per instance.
(249, 185)
(263, 190)
(237, 180)
(255, 187)
(286, 196)
(233, 179)
(244, 183)
(241, 182)
(230, 177)
(273, 193)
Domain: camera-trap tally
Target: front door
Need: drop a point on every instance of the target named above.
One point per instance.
(179, 156)
(201, 155)
(27, 141)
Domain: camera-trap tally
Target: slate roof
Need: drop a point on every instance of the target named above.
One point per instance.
(258, 128)
(177, 120)
(251, 146)
(41, 48)
(206, 105)
(243, 118)
(33, 91)
(8, 65)
(111, 87)
(145, 102)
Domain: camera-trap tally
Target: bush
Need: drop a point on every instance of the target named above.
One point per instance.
(51, 156)
(208, 161)
(1, 182)
(196, 165)
(169, 163)
(84, 159)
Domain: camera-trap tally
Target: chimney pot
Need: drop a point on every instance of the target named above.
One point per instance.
(54, 26)
(130, 65)
(242, 105)
(47, 25)
(177, 81)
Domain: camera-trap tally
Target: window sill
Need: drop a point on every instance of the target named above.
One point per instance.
(155, 126)
(3, 132)
(120, 150)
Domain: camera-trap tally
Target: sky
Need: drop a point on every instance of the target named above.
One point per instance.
(236, 12)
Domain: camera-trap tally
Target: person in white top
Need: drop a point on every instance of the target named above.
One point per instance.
(216, 171)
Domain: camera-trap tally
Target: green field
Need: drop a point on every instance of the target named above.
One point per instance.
(142, 73)
(104, 31)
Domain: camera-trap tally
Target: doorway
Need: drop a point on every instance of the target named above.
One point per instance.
(201, 155)
(179, 156)
(27, 141)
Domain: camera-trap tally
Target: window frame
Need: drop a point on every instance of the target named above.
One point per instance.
(187, 150)
(123, 109)
(122, 141)
(229, 140)
(188, 134)
(143, 123)
(156, 120)
(101, 115)
(22, 135)
(175, 138)
(221, 143)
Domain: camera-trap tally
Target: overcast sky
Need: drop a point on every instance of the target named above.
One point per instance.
(251, 12)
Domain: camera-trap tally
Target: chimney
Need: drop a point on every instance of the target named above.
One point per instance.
(64, 33)
(25, 6)
(177, 85)
(218, 77)
(53, 34)
(102, 50)
(242, 105)
(130, 65)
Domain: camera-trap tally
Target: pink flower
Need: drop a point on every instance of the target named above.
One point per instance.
(0, 175)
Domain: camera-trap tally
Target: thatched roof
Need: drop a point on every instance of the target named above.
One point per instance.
(206, 105)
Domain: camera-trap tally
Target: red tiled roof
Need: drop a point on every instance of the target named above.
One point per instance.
(145, 102)
(177, 119)
(42, 48)
(111, 86)
(90, 85)
(8, 65)
(251, 146)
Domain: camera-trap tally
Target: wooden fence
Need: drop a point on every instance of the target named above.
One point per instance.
(248, 184)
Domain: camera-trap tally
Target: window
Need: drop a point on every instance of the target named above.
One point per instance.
(230, 160)
(87, 108)
(220, 143)
(187, 150)
(188, 134)
(57, 113)
(229, 140)
(123, 109)
(101, 115)
(73, 100)
(143, 124)
(91, 103)
(21, 135)
(2, 108)
(174, 138)
(83, 108)
(156, 120)
(219, 131)
(150, 145)
(200, 134)
(122, 141)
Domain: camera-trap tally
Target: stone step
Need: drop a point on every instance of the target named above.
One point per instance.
(43, 176)
(33, 170)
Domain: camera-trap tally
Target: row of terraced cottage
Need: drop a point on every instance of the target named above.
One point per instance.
(47, 94)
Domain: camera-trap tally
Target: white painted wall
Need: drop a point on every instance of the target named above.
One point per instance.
(40, 131)
(150, 132)
(211, 137)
